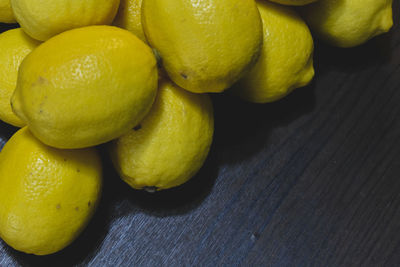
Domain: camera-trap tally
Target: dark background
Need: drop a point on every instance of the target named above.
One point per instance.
(312, 180)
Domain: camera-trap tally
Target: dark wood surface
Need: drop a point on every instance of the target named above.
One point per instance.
(312, 180)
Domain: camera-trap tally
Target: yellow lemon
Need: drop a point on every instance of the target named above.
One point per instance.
(206, 45)
(42, 19)
(6, 13)
(129, 17)
(86, 86)
(15, 45)
(348, 23)
(170, 145)
(47, 195)
(293, 2)
(286, 60)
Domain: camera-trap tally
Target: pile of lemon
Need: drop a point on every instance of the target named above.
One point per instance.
(74, 82)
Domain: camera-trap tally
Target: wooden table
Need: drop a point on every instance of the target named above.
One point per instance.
(312, 180)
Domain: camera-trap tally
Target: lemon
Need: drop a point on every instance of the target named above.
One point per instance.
(286, 60)
(348, 23)
(207, 45)
(42, 19)
(86, 86)
(47, 195)
(6, 13)
(293, 2)
(170, 144)
(15, 45)
(129, 17)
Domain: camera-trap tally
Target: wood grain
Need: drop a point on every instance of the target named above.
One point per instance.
(312, 180)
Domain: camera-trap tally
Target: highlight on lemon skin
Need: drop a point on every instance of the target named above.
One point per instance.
(42, 19)
(348, 23)
(170, 145)
(15, 45)
(286, 60)
(47, 195)
(6, 13)
(86, 86)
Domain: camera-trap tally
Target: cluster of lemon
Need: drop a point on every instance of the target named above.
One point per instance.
(141, 87)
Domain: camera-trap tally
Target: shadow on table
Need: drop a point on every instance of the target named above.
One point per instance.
(242, 129)
(236, 122)
(375, 52)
